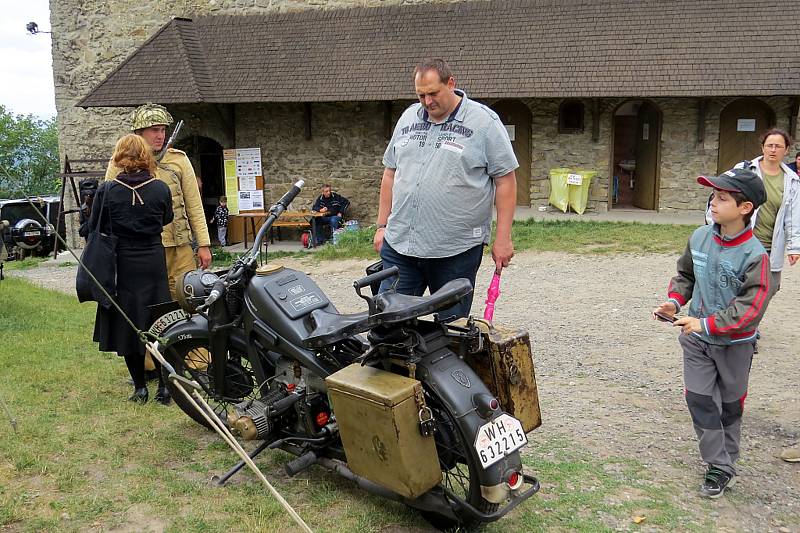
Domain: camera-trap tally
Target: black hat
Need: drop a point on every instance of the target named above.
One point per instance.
(740, 180)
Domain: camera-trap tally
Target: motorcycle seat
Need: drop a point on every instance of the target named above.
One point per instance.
(391, 308)
(333, 327)
(395, 307)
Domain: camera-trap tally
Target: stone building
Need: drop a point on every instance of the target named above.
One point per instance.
(647, 94)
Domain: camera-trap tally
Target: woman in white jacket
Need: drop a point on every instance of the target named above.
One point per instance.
(777, 223)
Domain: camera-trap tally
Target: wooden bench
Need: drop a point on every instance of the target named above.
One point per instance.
(280, 223)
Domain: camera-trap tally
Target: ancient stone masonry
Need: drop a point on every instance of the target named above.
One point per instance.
(93, 37)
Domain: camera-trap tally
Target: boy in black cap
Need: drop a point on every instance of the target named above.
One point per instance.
(725, 272)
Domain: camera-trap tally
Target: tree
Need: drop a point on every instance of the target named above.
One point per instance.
(28, 155)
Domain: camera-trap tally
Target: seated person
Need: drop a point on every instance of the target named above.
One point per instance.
(332, 206)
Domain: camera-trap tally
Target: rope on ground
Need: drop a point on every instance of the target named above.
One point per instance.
(199, 403)
(218, 426)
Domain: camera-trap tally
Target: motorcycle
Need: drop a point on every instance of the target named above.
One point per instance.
(383, 397)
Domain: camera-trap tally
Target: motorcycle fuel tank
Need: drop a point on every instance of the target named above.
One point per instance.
(283, 298)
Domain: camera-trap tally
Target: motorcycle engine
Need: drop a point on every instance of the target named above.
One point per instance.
(308, 415)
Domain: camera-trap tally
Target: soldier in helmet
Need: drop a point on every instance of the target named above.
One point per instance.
(150, 121)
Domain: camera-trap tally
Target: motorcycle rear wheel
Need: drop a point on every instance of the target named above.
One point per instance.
(459, 471)
(192, 359)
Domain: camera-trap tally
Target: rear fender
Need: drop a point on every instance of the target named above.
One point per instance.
(454, 382)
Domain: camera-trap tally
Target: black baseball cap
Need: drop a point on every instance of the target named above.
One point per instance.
(740, 180)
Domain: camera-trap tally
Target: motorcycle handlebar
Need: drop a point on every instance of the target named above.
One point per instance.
(376, 277)
(290, 195)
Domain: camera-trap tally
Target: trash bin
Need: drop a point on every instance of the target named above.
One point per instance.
(579, 192)
(559, 192)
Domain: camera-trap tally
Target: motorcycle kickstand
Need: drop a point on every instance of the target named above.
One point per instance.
(218, 481)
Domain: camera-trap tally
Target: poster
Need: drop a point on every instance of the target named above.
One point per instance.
(246, 200)
(230, 168)
(512, 131)
(247, 183)
(646, 131)
(232, 193)
(257, 198)
(248, 162)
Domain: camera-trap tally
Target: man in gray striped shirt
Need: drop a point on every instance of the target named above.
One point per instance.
(449, 160)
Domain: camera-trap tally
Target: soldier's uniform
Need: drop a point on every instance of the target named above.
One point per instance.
(176, 171)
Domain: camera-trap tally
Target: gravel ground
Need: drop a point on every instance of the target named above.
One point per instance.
(610, 377)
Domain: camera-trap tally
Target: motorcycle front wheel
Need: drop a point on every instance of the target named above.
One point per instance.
(459, 470)
(192, 359)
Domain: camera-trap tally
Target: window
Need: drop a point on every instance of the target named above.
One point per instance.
(570, 116)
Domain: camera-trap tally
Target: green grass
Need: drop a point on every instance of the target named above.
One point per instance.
(575, 237)
(28, 262)
(83, 458)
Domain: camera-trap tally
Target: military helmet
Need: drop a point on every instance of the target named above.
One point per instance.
(148, 115)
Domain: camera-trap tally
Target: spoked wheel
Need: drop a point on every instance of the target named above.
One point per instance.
(459, 471)
(192, 360)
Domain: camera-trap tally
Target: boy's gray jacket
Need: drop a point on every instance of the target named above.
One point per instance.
(786, 235)
(727, 280)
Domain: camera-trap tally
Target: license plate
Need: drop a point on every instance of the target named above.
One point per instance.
(166, 320)
(32, 233)
(499, 438)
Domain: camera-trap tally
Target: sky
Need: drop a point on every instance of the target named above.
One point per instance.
(26, 65)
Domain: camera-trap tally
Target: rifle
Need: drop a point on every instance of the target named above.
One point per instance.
(170, 141)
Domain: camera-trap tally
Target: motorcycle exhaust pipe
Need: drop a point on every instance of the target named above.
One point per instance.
(426, 502)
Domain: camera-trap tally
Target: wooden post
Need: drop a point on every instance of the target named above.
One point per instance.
(387, 119)
(702, 107)
(595, 120)
(307, 119)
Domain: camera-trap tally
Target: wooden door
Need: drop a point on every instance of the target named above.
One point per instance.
(517, 118)
(741, 123)
(648, 164)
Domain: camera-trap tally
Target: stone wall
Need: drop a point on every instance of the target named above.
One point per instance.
(92, 37)
(345, 149)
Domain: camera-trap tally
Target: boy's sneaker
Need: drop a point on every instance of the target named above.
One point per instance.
(715, 482)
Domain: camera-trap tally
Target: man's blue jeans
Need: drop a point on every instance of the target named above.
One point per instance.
(417, 274)
(335, 222)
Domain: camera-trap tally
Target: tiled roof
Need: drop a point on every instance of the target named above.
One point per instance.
(499, 48)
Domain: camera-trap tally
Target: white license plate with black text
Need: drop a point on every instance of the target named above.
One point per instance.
(166, 320)
(498, 438)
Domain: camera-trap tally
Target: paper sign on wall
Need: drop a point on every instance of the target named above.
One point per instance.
(512, 131)
(247, 183)
(248, 162)
(646, 131)
(746, 124)
(232, 193)
(246, 200)
(574, 179)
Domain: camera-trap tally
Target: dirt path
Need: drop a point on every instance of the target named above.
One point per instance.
(610, 378)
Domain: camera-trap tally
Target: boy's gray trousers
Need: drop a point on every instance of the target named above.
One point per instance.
(715, 379)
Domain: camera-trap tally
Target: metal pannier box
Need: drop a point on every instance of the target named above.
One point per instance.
(505, 365)
(378, 413)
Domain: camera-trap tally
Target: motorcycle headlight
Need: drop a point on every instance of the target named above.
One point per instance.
(195, 289)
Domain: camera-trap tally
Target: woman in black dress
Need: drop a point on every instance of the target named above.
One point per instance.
(135, 207)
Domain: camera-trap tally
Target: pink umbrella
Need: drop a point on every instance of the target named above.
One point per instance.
(491, 295)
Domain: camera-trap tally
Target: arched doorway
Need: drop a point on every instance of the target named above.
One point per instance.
(206, 157)
(517, 118)
(741, 123)
(636, 160)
